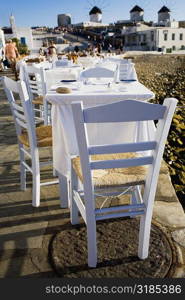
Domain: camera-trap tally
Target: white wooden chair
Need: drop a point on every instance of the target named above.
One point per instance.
(35, 79)
(121, 165)
(127, 71)
(87, 62)
(98, 73)
(61, 63)
(29, 137)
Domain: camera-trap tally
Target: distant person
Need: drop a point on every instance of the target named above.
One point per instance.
(89, 48)
(99, 48)
(121, 47)
(52, 51)
(76, 49)
(41, 52)
(11, 54)
(109, 48)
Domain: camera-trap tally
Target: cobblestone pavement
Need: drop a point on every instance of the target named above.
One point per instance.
(26, 233)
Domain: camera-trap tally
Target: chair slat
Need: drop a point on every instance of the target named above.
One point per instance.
(19, 116)
(124, 111)
(119, 215)
(11, 85)
(17, 107)
(122, 148)
(80, 204)
(119, 208)
(22, 124)
(121, 163)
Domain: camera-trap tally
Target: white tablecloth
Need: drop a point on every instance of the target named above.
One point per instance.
(64, 138)
(54, 76)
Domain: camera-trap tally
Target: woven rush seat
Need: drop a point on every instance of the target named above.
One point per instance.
(43, 135)
(38, 100)
(115, 177)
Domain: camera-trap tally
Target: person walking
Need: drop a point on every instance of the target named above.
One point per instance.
(11, 54)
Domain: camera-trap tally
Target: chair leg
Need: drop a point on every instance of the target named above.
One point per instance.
(91, 241)
(73, 207)
(23, 177)
(36, 182)
(22, 169)
(74, 212)
(36, 191)
(64, 190)
(144, 236)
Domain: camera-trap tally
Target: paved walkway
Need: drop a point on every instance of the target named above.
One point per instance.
(26, 233)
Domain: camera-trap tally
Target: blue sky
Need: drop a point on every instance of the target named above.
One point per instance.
(44, 12)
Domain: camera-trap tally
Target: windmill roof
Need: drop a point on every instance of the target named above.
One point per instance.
(164, 9)
(95, 10)
(136, 8)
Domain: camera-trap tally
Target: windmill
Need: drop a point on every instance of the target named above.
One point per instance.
(96, 9)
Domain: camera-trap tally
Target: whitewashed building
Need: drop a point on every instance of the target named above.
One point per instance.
(166, 35)
(24, 34)
(2, 44)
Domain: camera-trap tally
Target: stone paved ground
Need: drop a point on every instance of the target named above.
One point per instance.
(26, 233)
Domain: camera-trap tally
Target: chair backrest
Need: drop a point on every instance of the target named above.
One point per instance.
(127, 71)
(22, 111)
(123, 111)
(98, 72)
(61, 63)
(35, 79)
(87, 61)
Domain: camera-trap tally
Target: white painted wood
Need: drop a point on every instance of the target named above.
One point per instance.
(122, 148)
(121, 163)
(10, 84)
(22, 170)
(49, 183)
(24, 118)
(27, 166)
(19, 116)
(98, 72)
(64, 191)
(119, 208)
(116, 112)
(124, 111)
(37, 87)
(21, 124)
(26, 152)
(74, 216)
(17, 107)
(120, 215)
(151, 181)
(80, 205)
(83, 144)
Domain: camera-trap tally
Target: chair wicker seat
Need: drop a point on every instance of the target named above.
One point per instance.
(43, 134)
(115, 177)
(38, 100)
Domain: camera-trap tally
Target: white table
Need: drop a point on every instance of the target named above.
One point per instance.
(57, 74)
(64, 137)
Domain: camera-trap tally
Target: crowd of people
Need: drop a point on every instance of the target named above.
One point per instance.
(51, 51)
